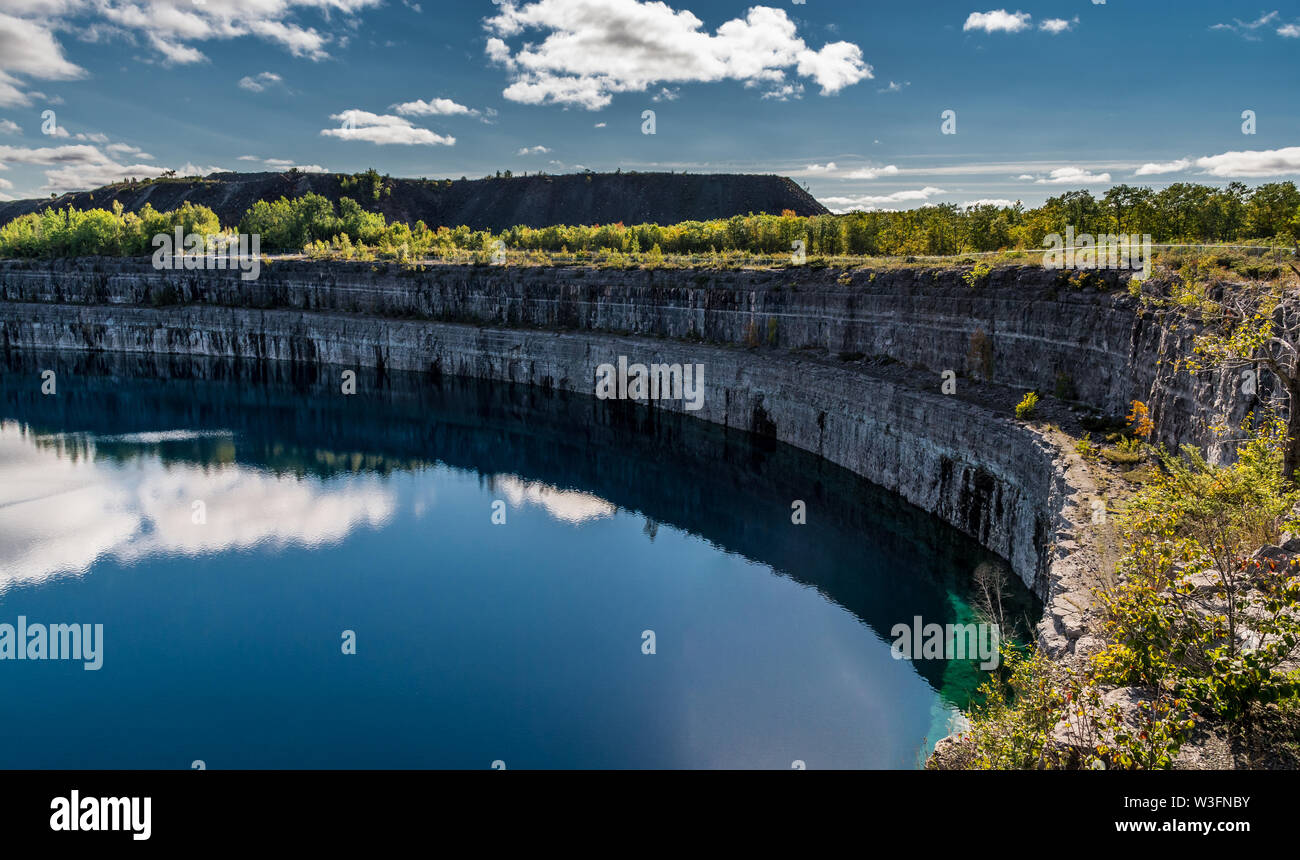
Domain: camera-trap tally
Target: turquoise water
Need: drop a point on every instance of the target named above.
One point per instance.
(475, 642)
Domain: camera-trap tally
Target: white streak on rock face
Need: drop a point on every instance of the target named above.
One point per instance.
(59, 513)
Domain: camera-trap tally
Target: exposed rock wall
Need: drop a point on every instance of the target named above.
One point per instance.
(932, 450)
(1013, 487)
(1039, 331)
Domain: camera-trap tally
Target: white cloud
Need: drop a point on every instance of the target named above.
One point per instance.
(830, 168)
(1000, 202)
(999, 20)
(283, 164)
(784, 92)
(894, 87)
(435, 107)
(74, 167)
(127, 150)
(28, 49)
(873, 172)
(1247, 29)
(93, 510)
(8, 126)
(1289, 31)
(869, 202)
(1058, 25)
(1261, 163)
(1157, 167)
(383, 130)
(533, 150)
(593, 50)
(600, 125)
(259, 82)
(1072, 175)
(170, 27)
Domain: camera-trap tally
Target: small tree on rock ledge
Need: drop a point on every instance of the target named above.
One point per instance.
(1251, 329)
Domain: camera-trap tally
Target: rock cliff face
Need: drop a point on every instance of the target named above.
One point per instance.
(778, 348)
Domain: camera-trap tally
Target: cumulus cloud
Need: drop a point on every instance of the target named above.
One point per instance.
(170, 28)
(383, 129)
(78, 166)
(1072, 175)
(533, 150)
(1289, 31)
(1249, 164)
(870, 202)
(784, 92)
(872, 172)
(8, 126)
(258, 83)
(434, 107)
(1155, 168)
(830, 168)
(997, 21)
(28, 49)
(594, 49)
(1058, 25)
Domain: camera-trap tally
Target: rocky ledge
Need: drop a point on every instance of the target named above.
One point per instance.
(848, 365)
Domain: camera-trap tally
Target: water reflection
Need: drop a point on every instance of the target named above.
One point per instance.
(68, 500)
(324, 511)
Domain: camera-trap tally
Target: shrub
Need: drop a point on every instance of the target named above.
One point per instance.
(978, 275)
(1025, 408)
(1195, 612)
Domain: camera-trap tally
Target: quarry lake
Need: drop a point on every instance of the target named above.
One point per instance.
(237, 529)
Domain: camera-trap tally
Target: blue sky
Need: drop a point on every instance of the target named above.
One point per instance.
(847, 97)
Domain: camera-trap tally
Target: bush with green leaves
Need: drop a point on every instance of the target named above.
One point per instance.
(1196, 611)
(1025, 408)
(1181, 212)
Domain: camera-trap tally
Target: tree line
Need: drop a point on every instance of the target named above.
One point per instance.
(1180, 213)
